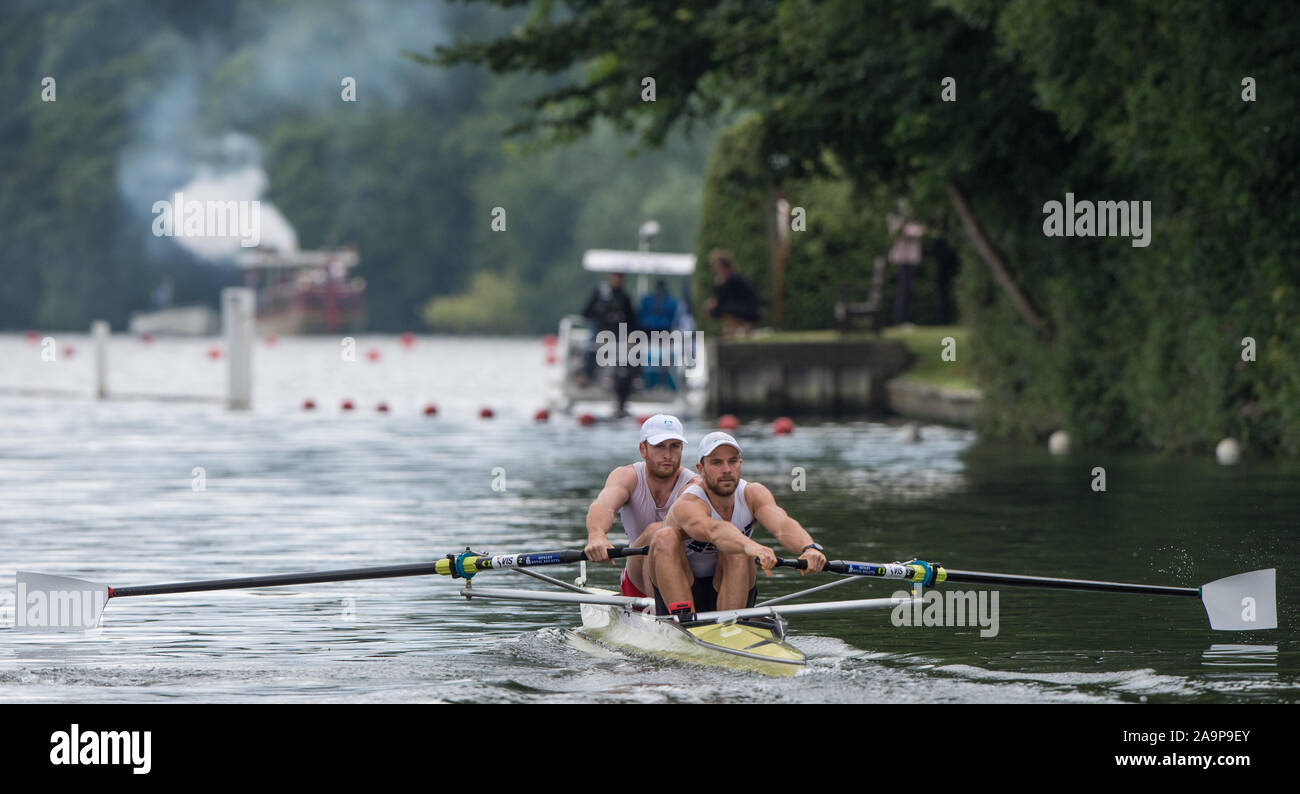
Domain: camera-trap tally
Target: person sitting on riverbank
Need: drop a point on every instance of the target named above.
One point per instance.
(734, 301)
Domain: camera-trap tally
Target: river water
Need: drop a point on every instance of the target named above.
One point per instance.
(141, 491)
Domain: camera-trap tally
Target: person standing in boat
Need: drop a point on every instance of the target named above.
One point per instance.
(658, 312)
(702, 559)
(641, 493)
(608, 308)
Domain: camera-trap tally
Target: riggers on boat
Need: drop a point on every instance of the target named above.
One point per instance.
(752, 638)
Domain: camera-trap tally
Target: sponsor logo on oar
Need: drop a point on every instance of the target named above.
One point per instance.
(56, 603)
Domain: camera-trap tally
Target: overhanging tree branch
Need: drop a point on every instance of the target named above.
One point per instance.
(994, 262)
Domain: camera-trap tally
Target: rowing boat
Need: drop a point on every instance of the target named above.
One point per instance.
(753, 638)
(757, 645)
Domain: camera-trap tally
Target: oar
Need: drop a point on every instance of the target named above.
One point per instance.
(46, 602)
(1244, 602)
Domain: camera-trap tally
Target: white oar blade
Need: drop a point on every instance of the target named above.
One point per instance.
(56, 603)
(1245, 602)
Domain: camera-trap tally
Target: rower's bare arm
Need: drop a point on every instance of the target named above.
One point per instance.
(600, 516)
(693, 516)
(788, 532)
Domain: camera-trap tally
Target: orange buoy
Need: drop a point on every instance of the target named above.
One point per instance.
(309, 404)
(542, 415)
(586, 419)
(373, 354)
(783, 426)
(485, 413)
(382, 408)
(728, 422)
(69, 351)
(214, 353)
(430, 410)
(347, 405)
(146, 338)
(407, 339)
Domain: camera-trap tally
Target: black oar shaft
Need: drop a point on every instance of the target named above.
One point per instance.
(442, 567)
(343, 575)
(1008, 579)
(1015, 580)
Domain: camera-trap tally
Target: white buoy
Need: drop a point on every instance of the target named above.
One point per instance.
(1059, 443)
(909, 433)
(1228, 452)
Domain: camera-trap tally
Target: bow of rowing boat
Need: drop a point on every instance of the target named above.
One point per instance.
(751, 645)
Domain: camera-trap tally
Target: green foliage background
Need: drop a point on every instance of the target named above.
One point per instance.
(1131, 100)
(410, 173)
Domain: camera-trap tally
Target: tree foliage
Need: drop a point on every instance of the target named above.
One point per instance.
(1136, 100)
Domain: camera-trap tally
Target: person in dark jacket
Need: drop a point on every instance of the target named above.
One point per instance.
(734, 300)
(608, 308)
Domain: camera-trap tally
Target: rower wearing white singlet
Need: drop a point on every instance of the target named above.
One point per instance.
(702, 559)
(641, 494)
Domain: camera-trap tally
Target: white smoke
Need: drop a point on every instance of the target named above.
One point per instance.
(298, 60)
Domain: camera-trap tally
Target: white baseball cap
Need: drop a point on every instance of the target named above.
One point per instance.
(714, 440)
(660, 428)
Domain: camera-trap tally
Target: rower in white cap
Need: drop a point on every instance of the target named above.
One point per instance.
(641, 494)
(703, 557)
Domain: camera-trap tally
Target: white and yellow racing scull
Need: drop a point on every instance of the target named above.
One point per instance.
(753, 638)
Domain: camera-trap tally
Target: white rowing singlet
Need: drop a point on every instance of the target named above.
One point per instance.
(702, 555)
(641, 510)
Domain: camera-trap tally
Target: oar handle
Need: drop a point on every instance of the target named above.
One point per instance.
(800, 563)
(624, 551)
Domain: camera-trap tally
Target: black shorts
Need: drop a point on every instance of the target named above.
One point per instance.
(704, 596)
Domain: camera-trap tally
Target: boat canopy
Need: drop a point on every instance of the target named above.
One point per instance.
(638, 262)
(262, 258)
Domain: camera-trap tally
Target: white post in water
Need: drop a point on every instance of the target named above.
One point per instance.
(99, 330)
(238, 306)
